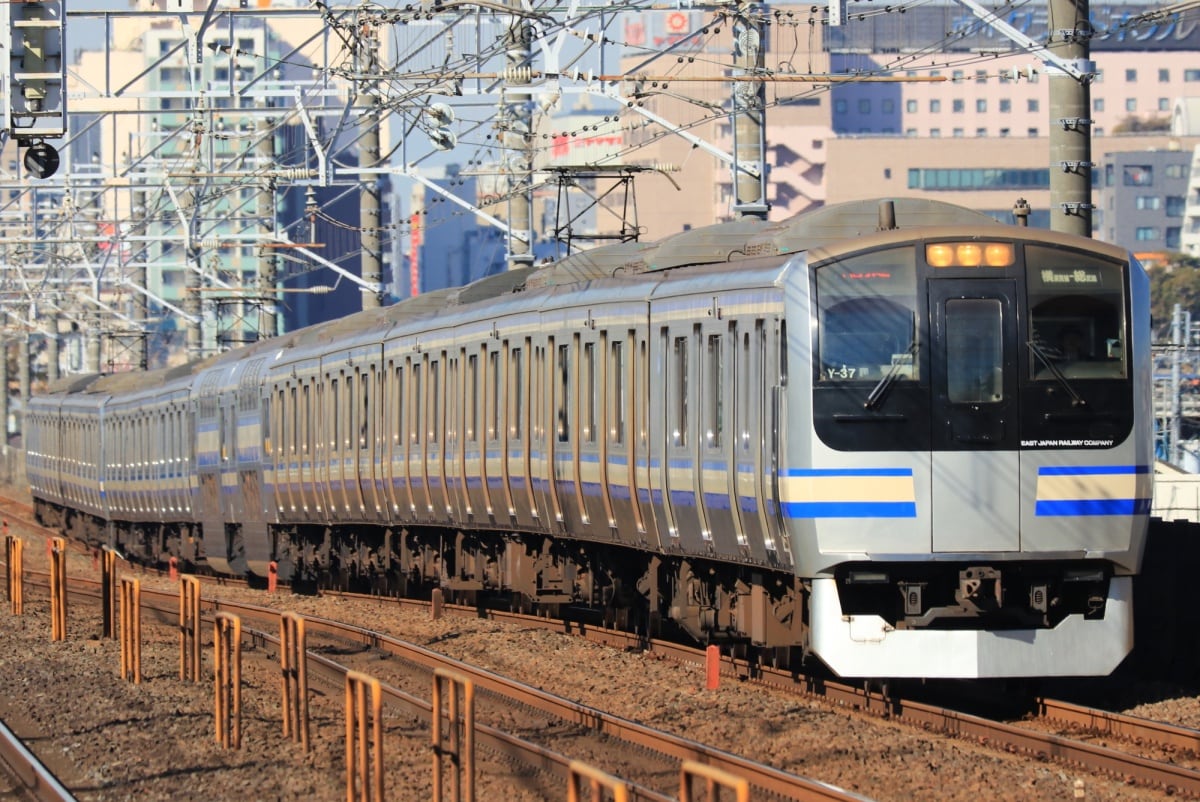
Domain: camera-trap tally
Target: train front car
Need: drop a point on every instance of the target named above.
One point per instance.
(972, 498)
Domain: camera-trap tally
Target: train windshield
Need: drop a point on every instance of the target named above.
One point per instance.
(867, 307)
(1076, 314)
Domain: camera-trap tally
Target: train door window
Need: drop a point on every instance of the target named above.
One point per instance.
(493, 378)
(398, 405)
(783, 353)
(335, 414)
(471, 397)
(303, 418)
(974, 351)
(563, 371)
(679, 392)
(518, 394)
(642, 369)
(417, 407)
(366, 432)
(744, 388)
(435, 403)
(714, 381)
(617, 372)
(589, 392)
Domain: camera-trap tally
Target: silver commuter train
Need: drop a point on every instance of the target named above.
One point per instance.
(897, 436)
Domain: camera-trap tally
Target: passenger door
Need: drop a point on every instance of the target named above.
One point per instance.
(976, 459)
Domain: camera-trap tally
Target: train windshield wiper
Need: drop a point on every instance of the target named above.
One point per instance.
(877, 394)
(1076, 399)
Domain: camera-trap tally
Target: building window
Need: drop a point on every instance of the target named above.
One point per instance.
(935, 132)
(980, 132)
(1004, 132)
(1131, 104)
(1164, 76)
(1032, 133)
(981, 105)
(958, 132)
(958, 106)
(910, 106)
(1145, 233)
(956, 76)
(1147, 202)
(981, 76)
(1176, 171)
(1191, 75)
(1031, 104)
(1131, 76)
(1172, 238)
(910, 132)
(864, 106)
(888, 106)
(1005, 106)
(1175, 206)
(839, 106)
(935, 106)
(1098, 104)
(1164, 104)
(1138, 175)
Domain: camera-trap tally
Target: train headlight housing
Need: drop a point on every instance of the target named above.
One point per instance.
(969, 254)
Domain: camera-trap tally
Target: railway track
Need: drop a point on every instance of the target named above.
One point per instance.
(1075, 752)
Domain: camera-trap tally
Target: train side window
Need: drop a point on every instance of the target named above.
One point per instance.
(418, 408)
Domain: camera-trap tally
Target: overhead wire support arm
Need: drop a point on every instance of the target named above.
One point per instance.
(1082, 70)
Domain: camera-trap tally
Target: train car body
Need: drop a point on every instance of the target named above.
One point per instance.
(913, 450)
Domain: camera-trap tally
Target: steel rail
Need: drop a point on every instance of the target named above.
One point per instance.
(1119, 725)
(772, 781)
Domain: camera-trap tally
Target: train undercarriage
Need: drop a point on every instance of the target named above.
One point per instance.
(652, 594)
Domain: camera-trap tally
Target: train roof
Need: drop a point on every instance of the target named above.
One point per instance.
(736, 241)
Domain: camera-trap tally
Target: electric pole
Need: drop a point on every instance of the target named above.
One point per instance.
(1070, 122)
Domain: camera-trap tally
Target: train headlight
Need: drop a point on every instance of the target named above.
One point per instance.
(969, 254)
(939, 255)
(998, 254)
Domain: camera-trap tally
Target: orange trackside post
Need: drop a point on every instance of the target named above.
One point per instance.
(363, 784)
(456, 740)
(131, 630)
(714, 780)
(227, 664)
(189, 629)
(15, 548)
(598, 781)
(292, 652)
(58, 588)
(108, 595)
(272, 576)
(173, 569)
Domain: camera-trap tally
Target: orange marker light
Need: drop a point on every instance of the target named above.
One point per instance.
(939, 255)
(968, 254)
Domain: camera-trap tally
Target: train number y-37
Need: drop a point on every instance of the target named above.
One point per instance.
(901, 437)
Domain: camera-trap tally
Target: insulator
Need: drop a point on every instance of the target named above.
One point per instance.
(518, 74)
(663, 167)
(210, 243)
